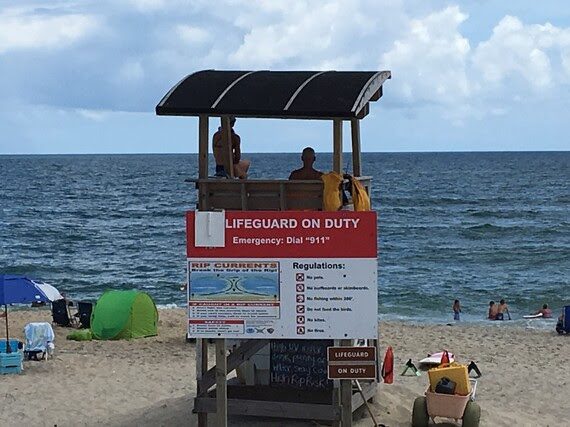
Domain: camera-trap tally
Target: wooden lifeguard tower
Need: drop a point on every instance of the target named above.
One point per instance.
(324, 95)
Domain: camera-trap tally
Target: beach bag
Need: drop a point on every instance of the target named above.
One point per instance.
(445, 386)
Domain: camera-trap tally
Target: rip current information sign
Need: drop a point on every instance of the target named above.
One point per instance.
(295, 275)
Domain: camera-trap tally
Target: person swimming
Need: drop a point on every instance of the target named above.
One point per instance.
(545, 311)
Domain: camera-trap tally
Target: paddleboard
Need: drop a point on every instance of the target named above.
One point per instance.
(435, 359)
(533, 316)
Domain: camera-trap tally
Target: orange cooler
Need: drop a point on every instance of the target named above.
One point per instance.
(455, 372)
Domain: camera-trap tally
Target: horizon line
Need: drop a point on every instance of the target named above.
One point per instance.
(287, 152)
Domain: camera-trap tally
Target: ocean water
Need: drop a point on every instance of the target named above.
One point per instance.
(472, 226)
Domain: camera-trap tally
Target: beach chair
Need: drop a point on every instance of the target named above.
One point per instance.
(563, 325)
(60, 313)
(11, 363)
(84, 310)
(39, 340)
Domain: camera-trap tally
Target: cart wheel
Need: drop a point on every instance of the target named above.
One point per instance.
(471, 415)
(420, 417)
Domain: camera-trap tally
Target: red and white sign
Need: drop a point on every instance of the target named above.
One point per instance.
(284, 275)
(291, 234)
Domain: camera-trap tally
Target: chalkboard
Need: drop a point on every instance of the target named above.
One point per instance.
(300, 364)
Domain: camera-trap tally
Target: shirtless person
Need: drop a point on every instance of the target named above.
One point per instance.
(240, 166)
(456, 309)
(307, 171)
(502, 309)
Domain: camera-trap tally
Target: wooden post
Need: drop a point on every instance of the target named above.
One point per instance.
(221, 384)
(336, 403)
(227, 146)
(346, 402)
(337, 145)
(355, 130)
(201, 369)
(377, 380)
(203, 147)
(346, 396)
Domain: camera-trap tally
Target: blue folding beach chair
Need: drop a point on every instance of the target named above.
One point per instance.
(563, 324)
(39, 340)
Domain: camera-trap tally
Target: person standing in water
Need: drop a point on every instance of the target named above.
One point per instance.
(456, 309)
(492, 311)
(502, 309)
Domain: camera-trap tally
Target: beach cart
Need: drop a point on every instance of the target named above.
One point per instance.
(453, 406)
(280, 374)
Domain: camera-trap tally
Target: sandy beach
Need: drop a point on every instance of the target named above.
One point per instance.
(149, 382)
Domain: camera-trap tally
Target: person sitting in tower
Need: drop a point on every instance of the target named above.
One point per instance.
(240, 166)
(308, 158)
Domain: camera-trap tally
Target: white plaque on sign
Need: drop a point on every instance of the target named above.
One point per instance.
(209, 229)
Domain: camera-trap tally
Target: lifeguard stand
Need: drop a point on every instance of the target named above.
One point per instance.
(324, 95)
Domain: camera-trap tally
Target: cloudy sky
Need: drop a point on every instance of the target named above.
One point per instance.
(85, 76)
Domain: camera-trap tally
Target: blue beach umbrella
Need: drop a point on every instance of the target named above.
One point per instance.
(18, 290)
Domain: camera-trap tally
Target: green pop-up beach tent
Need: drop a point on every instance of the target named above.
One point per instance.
(124, 315)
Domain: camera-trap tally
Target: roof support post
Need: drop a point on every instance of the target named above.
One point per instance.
(227, 146)
(203, 147)
(355, 131)
(337, 145)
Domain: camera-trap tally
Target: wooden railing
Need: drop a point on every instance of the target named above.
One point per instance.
(253, 195)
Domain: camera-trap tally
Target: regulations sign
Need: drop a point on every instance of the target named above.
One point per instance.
(350, 363)
(283, 274)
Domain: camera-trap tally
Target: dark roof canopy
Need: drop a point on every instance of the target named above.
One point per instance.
(278, 94)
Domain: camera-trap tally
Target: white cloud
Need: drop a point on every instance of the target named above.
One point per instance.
(318, 35)
(148, 5)
(432, 60)
(499, 111)
(533, 52)
(429, 61)
(433, 63)
(21, 29)
(94, 115)
(191, 34)
(131, 72)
